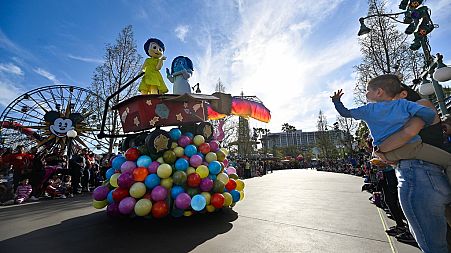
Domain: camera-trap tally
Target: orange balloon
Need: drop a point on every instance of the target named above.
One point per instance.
(140, 174)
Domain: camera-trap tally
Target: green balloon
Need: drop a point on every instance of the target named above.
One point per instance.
(218, 186)
(234, 176)
(192, 191)
(143, 149)
(169, 156)
(179, 177)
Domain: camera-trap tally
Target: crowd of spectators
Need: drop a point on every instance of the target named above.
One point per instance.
(30, 176)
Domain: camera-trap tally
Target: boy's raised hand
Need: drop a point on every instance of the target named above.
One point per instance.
(337, 95)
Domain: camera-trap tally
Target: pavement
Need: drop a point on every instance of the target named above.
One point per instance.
(286, 211)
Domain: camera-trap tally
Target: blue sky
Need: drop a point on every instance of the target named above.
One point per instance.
(291, 54)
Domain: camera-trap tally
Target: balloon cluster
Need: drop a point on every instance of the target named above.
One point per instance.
(192, 176)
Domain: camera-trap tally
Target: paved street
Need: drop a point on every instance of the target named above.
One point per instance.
(287, 211)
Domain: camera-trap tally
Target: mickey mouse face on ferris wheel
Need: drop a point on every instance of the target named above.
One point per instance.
(61, 125)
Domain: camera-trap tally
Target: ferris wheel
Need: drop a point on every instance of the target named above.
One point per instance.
(53, 117)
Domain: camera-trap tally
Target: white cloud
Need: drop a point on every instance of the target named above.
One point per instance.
(267, 52)
(181, 31)
(8, 92)
(11, 68)
(47, 75)
(85, 59)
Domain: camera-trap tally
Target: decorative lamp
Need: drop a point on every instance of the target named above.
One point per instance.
(403, 4)
(426, 88)
(363, 28)
(410, 29)
(416, 44)
(443, 72)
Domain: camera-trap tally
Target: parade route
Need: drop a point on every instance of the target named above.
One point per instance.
(286, 211)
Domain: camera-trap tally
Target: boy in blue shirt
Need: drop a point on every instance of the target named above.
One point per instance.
(387, 115)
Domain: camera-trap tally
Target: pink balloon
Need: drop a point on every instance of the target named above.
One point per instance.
(214, 146)
(127, 205)
(127, 166)
(159, 193)
(153, 167)
(195, 161)
(225, 162)
(183, 200)
(231, 170)
(184, 141)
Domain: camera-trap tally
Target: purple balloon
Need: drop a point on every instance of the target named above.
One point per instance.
(113, 209)
(183, 200)
(100, 193)
(125, 180)
(127, 205)
(195, 161)
(206, 184)
(184, 141)
(159, 193)
(153, 167)
(127, 166)
(214, 146)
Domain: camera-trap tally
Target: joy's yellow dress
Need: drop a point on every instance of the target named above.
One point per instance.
(152, 77)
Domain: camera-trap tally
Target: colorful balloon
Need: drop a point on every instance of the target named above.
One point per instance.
(143, 207)
(204, 148)
(181, 164)
(218, 186)
(214, 145)
(164, 170)
(203, 171)
(220, 155)
(153, 167)
(227, 199)
(179, 151)
(231, 170)
(182, 201)
(206, 184)
(159, 193)
(193, 180)
(99, 204)
(128, 166)
(231, 185)
(113, 209)
(179, 177)
(235, 195)
(132, 154)
(119, 194)
(169, 156)
(190, 150)
(183, 141)
(160, 209)
(151, 181)
(210, 157)
(140, 174)
(109, 173)
(239, 185)
(217, 200)
(198, 202)
(195, 161)
(167, 183)
(214, 167)
(176, 190)
(137, 190)
(117, 162)
(125, 180)
(127, 205)
(198, 139)
(100, 193)
(207, 197)
(175, 134)
(144, 161)
(224, 178)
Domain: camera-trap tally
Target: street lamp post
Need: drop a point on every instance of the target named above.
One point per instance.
(71, 134)
(420, 24)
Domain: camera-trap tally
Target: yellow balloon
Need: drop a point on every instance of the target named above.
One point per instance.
(239, 185)
(143, 207)
(179, 151)
(137, 190)
(225, 151)
(207, 197)
(210, 157)
(164, 170)
(223, 177)
(113, 179)
(187, 213)
(220, 155)
(174, 145)
(167, 182)
(198, 139)
(99, 204)
(203, 171)
(227, 199)
(160, 160)
(210, 208)
(190, 170)
(241, 195)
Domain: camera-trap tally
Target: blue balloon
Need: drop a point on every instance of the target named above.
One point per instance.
(109, 197)
(181, 164)
(235, 195)
(212, 177)
(201, 155)
(152, 180)
(198, 202)
(144, 161)
(109, 173)
(190, 150)
(176, 190)
(175, 133)
(117, 162)
(214, 167)
(189, 134)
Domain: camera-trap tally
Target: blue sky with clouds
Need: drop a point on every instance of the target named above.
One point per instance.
(291, 54)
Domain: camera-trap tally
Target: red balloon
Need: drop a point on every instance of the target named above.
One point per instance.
(193, 180)
(147, 196)
(119, 194)
(231, 185)
(140, 174)
(204, 148)
(217, 200)
(160, 209)
(132, 154)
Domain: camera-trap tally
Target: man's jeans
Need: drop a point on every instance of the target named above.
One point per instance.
(424, 192)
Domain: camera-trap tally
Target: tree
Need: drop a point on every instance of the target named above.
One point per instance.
(384, 50)
(287, 128)
(121, 64)
(349, 126)
(324, 141)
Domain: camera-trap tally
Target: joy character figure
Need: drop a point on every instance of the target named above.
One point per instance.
(181, 71)
(152, 82)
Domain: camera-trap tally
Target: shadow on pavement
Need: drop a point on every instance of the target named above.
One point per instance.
(99, 233)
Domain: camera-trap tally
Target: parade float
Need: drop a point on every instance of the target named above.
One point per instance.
(172, 163)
